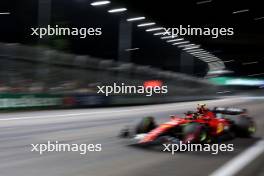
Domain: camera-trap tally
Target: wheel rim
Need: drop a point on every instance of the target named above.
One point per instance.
(203, 136)
(145, 124)
(252, 129)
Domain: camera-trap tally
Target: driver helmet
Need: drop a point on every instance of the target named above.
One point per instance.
(202, 108)
(172, 117)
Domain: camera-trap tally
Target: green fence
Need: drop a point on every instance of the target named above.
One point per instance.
(17, 101)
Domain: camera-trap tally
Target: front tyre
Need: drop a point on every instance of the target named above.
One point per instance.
(145, 125)
(195, 133)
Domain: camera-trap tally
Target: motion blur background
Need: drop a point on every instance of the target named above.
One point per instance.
(64, 71)
(72, 67)
(125, 52)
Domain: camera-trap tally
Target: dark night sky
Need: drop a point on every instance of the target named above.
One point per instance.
(247, 44)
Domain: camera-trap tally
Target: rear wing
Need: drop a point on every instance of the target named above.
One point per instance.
(230, 110)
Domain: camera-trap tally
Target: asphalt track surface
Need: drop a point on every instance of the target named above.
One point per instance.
(102, 125)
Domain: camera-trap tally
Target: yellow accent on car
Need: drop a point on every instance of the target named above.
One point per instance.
(220, 128)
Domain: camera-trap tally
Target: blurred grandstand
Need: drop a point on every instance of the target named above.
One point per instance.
(26, 69)
(41, 77)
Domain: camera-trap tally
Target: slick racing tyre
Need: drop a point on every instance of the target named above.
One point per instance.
(195, 133)
(244, 126)
(145, 125)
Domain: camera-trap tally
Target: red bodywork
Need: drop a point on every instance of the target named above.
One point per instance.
(216, 125)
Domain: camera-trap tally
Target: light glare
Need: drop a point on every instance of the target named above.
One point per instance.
(146, 24)
(99, 3)
(117, 10)
(136, 19)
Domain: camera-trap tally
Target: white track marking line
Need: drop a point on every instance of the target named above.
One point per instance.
(87, 113)
(235, 165)
(5, 13)
(165, 108)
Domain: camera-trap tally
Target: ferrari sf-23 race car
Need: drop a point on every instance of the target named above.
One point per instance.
(216, 125)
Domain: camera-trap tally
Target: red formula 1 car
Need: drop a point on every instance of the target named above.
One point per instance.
(194, 127)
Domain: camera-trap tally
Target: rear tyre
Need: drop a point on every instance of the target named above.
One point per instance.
(244, 126)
